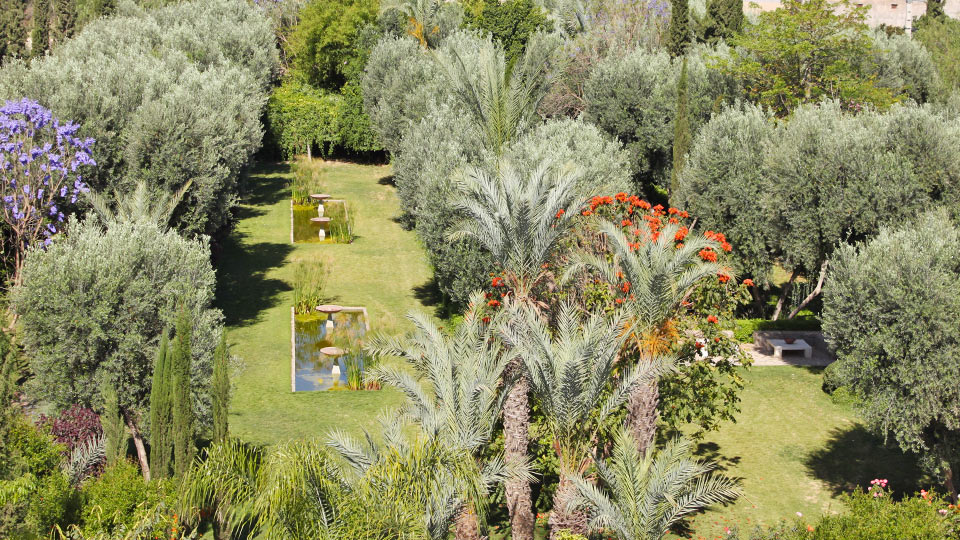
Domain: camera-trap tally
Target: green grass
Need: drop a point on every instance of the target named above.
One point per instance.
(796, 451)
(381, 270)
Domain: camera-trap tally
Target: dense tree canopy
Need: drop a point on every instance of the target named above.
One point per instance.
(889, 311)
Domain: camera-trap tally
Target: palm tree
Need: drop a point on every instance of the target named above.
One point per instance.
(648, 492)
(423, 17)
(419, 472)
(519, 217)
(501, 98)
(455, 393)
(224, 484)
(661, 276)
(570, 372)
(140, 205)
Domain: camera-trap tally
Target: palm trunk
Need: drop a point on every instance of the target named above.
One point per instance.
(642, 414)
(138, 443)
(562, 517)
(516, 422)
(467, 524)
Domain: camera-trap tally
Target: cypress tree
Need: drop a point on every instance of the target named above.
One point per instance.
(679, 35)
(725, 19)
(221, 390)
(40, 38)
(681, 129)
(161, 412)
(113, 427)
(181, 357)
(13, 33)
(935, 9)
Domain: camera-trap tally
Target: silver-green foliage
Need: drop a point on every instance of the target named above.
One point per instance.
(793, 190)
(647, 493)
(903, 64)
(399, 83)
(634, 99)
(92, 308)
(890, 312)
(170, 95)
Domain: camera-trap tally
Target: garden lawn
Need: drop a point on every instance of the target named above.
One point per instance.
(796, 451)
(381, 270)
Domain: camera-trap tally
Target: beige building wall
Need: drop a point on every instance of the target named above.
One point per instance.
(899, 13)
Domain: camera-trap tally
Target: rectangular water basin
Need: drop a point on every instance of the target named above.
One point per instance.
(313, 370)
(307, 231)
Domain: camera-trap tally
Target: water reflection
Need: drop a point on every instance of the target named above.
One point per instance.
(314, 370)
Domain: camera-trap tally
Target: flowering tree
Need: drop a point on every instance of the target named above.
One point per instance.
(40, 163)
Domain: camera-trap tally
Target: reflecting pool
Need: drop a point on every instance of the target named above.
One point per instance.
(313, 370)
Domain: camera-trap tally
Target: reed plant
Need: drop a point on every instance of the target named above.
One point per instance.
(309, 285)
(308, 176)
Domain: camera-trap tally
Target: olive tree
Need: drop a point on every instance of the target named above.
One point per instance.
(890, 312)
(170, 95)
(634, 99)
(92, 308)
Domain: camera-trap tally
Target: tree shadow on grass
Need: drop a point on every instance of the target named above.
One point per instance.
(262, 186)
(854, 455)
(243, 290)
(430, 295)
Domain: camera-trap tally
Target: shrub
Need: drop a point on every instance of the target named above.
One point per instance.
(869, 517)
(93, 305)
(890, 309)
(746, 327)
(73, 426)
(170, 95)
(903, 64)
(299, 118)
(118, 499)
(941, 37)
(510, 23)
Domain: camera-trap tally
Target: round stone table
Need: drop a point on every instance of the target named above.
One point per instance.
(329, 310)
(319, 197)
(320, 221)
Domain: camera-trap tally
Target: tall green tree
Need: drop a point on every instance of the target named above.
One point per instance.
(724, 19)
(40, 35)
(221, 390)
(13, 31)
(519, 216)
(114, 430)
(805, 51)
(511, 23)
(455, 393)
(660, 277)
(679, 32)
(181, 353)
(890, 311)
(682, 138)
(161, 412)
(571, 370)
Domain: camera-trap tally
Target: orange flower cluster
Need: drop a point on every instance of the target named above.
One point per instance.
(720, 239)
(722, 277)
(708, 255)
(713, 319)
(497, 281)
(560, 213)
(748, 282)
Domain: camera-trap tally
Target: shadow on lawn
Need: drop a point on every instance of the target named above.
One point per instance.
(243, 290)
(853, 456)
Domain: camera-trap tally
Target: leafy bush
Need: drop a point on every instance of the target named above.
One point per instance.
(170, 95)
(118, 499)
(746, 327)
(890, 312)
(93, 305)
(903, 64)
(510, 23)
(299, 118)
(322, 47)
(73, 426)
(869, 517)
